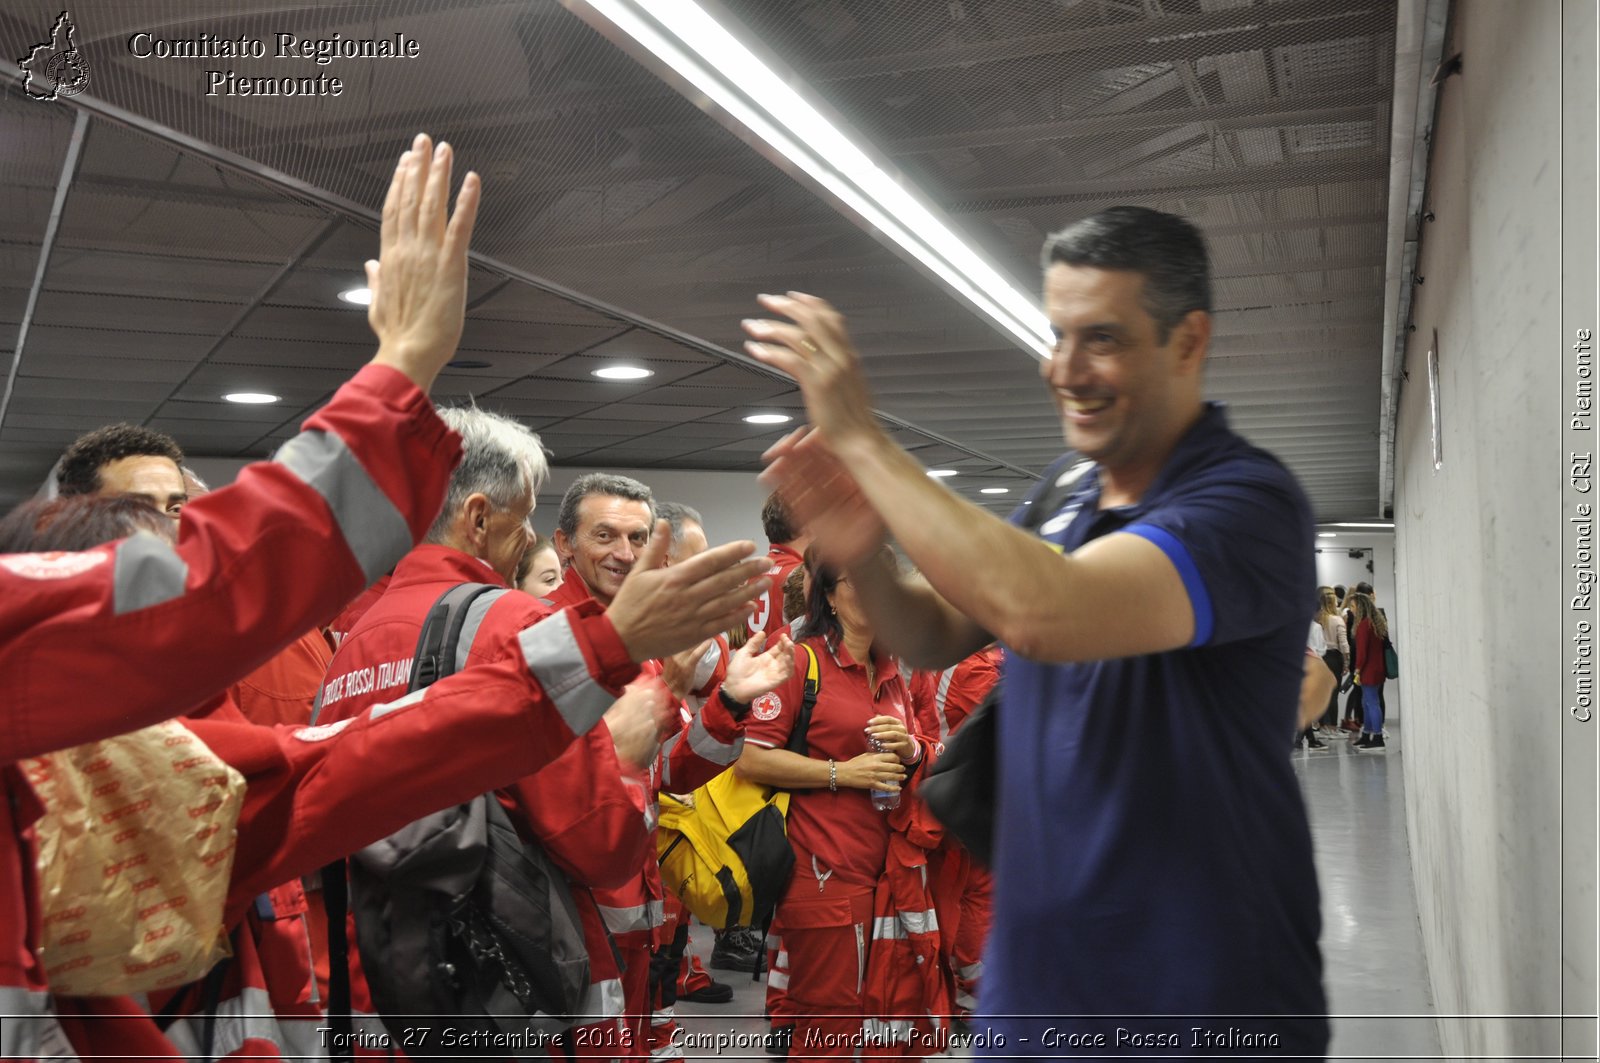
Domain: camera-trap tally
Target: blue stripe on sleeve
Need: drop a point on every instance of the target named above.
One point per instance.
(1199, 600)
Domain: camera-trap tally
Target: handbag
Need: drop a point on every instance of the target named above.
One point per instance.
(960, 787)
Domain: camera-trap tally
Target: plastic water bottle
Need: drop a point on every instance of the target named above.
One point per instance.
(882, 800)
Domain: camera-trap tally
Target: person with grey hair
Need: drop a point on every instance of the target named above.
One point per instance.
(489, 508)
(1142, 595)
(688, 530)
(602, 840)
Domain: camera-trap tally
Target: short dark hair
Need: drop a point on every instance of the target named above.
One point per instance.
(1338, 592)
(1363, 587)
(79, 522)
(775, 520)
(600, 483)
(1167, 250)
(79, 471)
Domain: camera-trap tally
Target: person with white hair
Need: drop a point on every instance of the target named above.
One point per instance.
(480, 536)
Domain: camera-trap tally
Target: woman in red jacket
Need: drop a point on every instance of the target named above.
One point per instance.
(839, 833)
(1372, 629)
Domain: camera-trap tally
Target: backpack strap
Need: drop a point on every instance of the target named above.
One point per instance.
(447, 635)
(808, 701)
(440, 647)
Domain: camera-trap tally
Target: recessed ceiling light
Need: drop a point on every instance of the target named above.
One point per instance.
(466, 363)
(624, 372)
(995, 491)
(1327, 535)
(359, 296)
(768, 418)
(940, 474)
(251, 398)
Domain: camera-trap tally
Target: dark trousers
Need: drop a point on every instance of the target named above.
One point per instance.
(1335, 662)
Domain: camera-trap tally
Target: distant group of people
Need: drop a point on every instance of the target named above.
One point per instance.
(1150, 867)
(1351, 634)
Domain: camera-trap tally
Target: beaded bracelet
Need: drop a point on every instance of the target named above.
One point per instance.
(833, 776)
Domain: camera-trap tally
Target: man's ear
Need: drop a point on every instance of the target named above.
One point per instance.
(475, 519)
(563, 547)
(1191, 339)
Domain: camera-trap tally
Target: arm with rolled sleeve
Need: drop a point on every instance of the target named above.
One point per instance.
(138, 631)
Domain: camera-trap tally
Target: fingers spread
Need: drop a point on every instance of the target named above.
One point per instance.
(708, 562)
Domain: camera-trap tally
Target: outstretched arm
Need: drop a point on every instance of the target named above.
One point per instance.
(139, 631)
(1118, 596)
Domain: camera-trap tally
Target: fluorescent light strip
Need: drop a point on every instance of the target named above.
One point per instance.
(1389, 526)
(713, 60)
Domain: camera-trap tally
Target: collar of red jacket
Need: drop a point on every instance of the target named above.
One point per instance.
(430, 563)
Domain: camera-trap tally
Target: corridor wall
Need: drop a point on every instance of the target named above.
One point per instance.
(1476, 539)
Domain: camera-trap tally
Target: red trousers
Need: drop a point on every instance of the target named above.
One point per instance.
(826, 936)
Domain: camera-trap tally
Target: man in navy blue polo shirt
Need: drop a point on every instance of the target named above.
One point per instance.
(1154, 886)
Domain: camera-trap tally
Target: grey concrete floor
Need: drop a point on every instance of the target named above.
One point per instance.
(1373, 966)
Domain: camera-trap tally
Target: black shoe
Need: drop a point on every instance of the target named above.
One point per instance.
(1365, 742)
(714, 992)
(738, 948)
(776, 1042)
(1377, 745)
(1313, 742)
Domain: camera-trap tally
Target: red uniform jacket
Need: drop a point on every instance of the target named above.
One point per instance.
(956, 691)
(768, 613)
(709, 742)
(587, 809)
(315, 793)
(138, 631)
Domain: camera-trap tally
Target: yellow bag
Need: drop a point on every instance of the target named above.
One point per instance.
(724, 849)
(135, 851)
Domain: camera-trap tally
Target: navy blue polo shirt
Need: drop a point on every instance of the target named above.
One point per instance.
(1153, 856)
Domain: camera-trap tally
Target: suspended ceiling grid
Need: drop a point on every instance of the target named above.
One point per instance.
(174, 279)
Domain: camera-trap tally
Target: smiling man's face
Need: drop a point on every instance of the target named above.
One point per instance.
(611, 532)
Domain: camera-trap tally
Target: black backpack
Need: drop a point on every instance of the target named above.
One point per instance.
(455, 914)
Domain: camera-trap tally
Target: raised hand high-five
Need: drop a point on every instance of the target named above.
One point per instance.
(419, 280)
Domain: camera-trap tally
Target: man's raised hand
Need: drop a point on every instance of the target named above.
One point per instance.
(824, 498)
(419, 281)
(662, 610)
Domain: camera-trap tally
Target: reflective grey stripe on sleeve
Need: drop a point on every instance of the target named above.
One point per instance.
(553, 655)
(373, 528)
(380, 711)
(147, 572)
(939, 701)
(708, 748)
(473, 621)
